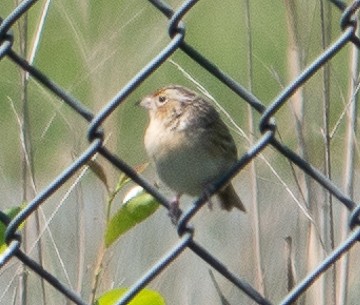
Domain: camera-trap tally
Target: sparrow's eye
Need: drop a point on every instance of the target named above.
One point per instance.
(162, 99)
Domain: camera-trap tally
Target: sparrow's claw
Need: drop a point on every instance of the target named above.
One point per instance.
(174, 210)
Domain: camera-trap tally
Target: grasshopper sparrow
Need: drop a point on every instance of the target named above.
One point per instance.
(189, 144)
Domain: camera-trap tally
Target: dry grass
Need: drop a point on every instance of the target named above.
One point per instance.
(292, 223)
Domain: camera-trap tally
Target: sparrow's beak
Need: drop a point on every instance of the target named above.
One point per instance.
(145, 103)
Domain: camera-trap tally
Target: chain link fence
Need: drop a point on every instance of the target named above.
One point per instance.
(267, 127)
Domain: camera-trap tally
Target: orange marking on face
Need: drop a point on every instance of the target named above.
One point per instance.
(159, 92)
(166, 111)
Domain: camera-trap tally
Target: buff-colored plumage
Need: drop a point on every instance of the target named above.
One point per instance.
(188, 143)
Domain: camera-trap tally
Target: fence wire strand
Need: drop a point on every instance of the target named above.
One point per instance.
(267, 127)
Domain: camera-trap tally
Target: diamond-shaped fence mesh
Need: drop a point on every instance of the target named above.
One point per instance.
(343, 284)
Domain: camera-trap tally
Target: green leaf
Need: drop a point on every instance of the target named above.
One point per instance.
(138, 206)
(124, 179)
(11, 213)
(144, 297)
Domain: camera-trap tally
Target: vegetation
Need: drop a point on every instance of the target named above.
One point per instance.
(92, 49)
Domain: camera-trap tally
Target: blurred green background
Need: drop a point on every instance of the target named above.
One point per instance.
(92, 49)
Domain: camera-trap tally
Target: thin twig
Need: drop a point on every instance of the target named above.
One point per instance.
(260, 278)
(349, 173)
(327, 220)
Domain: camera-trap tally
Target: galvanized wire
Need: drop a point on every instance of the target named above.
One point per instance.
(267, 127)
